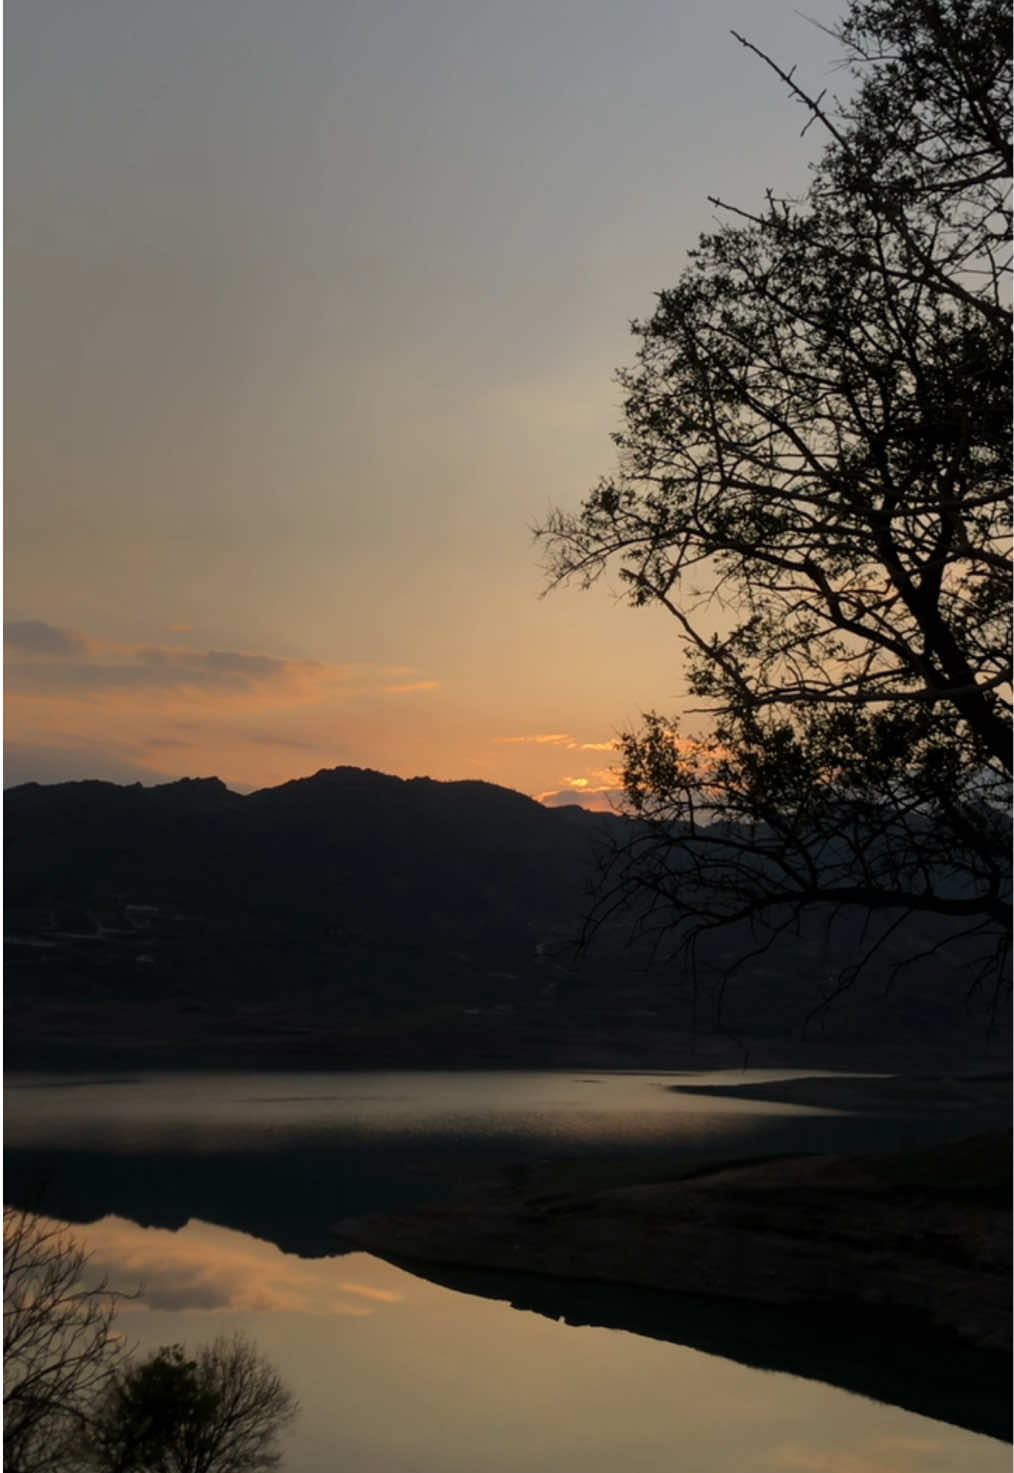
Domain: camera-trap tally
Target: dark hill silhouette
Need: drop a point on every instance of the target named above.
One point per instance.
(360, 917)
(301, 845)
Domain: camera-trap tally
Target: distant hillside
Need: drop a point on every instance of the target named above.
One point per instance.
(370, 856)
(351, 905)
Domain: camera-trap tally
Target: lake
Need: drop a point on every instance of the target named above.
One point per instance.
(215, 1191)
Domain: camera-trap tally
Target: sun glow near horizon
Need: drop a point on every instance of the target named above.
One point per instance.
(256, 719)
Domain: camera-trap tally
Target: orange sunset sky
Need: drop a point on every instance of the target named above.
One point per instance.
(312, 312)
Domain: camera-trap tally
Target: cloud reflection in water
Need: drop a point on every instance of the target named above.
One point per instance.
(205, 1267)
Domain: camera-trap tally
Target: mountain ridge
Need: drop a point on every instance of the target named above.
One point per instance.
(402, 913)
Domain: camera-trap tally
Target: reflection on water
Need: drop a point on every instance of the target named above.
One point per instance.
(237, 1177)
(283, 1155)
(916, 1365)
(207, 1267)
(243, 1111)
(399, 1375)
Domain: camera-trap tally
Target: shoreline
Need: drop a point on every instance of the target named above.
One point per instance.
(915, 1365)
(920, 1230)
(912, 1244)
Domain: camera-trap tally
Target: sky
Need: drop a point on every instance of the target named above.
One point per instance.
(313, 311)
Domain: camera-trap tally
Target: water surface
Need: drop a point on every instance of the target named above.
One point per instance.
(215, 1192)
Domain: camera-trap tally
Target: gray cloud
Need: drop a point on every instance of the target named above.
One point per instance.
(36, 637)
(190, 1293)
(25, 762)
(152, 667)
(265, 739)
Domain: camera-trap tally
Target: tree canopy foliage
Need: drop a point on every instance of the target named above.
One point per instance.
(814, 483)
(220, 1411)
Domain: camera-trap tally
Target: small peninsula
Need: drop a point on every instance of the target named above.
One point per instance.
(925, 1231)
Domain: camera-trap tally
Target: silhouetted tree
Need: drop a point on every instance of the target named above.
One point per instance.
(60, 1346)
(75, 1399)
(220, 1411)
(814, 484)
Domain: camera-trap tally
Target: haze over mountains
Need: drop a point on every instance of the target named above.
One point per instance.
(354, 917)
